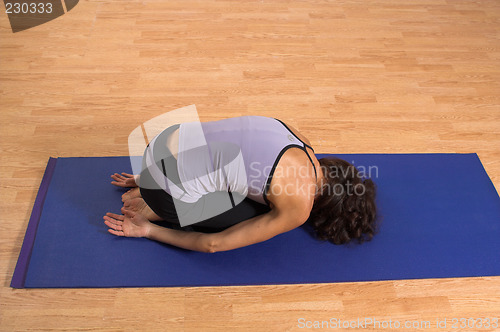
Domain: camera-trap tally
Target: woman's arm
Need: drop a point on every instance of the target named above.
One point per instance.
(287, 213)
(254, 230)
(187, 240)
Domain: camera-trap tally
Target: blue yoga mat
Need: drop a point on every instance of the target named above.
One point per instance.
(440, 218)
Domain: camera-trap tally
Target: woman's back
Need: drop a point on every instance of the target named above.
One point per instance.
(238, 155)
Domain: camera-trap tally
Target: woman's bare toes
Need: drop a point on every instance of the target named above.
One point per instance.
(132, 193)
(139, 205)
(134, 204)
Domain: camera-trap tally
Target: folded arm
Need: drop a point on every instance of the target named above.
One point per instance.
(254, 230)
(288, 211)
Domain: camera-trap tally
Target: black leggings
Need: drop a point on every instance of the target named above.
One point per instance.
(163, 204)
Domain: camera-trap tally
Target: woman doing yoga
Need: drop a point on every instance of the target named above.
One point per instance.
(227, 184)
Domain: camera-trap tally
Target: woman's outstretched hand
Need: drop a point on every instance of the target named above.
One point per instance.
(124, 180)
(131, 224)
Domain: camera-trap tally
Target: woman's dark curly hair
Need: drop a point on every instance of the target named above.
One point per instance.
(344, 208)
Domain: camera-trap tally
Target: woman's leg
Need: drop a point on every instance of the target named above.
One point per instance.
(246, 209)
(159, 201)
(164, 206)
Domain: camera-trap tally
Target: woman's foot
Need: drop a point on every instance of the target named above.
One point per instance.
(132, 193)
(138, 205)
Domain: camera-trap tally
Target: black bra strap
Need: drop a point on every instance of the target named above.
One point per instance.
(305, 145)
(308, 146)
(308, 156)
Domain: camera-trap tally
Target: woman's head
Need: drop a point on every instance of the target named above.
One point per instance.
(344, 208)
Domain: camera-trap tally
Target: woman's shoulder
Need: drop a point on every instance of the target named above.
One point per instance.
(294, 179)
(298, 134)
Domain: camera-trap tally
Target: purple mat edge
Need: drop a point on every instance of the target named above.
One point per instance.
(21, 269)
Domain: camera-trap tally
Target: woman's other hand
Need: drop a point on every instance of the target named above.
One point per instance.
(124, 180)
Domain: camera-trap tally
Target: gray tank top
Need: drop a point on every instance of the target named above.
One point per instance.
(237, 155)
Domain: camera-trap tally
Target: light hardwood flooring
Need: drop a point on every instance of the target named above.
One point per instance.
(354, 76)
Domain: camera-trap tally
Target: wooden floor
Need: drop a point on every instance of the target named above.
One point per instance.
(354, 76)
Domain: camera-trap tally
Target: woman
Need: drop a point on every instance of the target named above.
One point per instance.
(240, 181)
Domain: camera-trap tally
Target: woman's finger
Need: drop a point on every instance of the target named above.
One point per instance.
(120, 177)
(117, 233)
(128, 213)
(113, 225)
(112, 220)
(117, 179)
(128, 175)
(115, 216)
